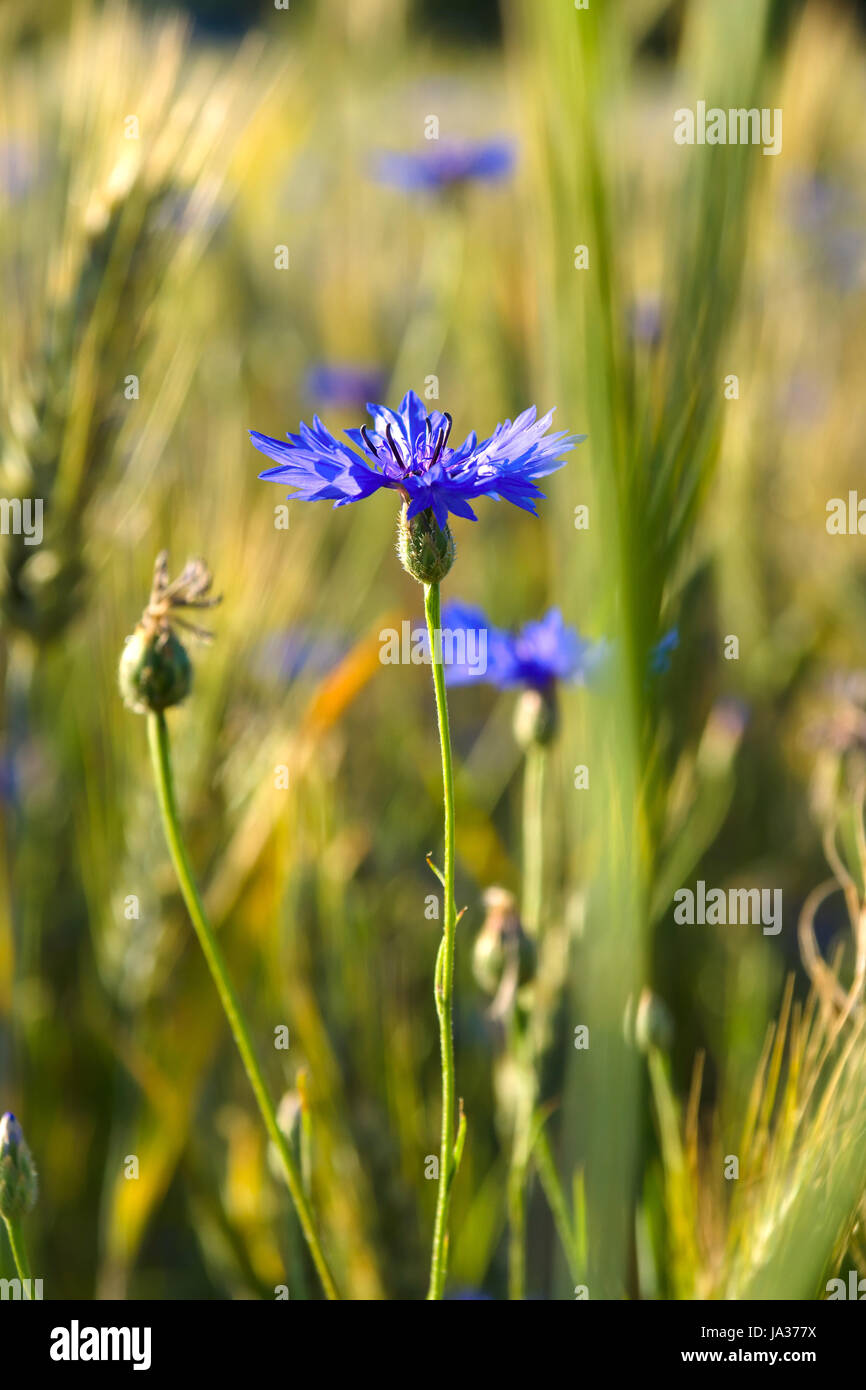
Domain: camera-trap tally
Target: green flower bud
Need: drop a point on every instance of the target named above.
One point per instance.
(155, 671)
(426, 550)
(289, 1112)
(488, 960)
(536, 717)
(18, 1183)
(650, 1024)
(503, 957)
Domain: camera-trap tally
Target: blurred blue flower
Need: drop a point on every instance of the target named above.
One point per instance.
(660, 656)
(344, 385)
(536, 656)
(646, 320)
(408, 450)
(815, 200)
(300, 652)
(9, 783)
(188, 210)
(828, 211)
(441, 167)
(19, 169)
(837, 717)
(731, 714)
(802, 399)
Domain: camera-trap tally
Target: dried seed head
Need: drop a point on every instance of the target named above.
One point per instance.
(155, 670)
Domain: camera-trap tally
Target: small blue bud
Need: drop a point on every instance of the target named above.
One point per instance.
(18, 1183)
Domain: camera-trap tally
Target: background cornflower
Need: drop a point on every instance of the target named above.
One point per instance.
(662, 653)
(302, 652)
(535, 656)
(344, 385)
(446, 164)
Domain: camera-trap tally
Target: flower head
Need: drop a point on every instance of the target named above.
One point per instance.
(19, 169)
(537, 656)
(646, 321)
(408, 450)
(440, 167)
(344, 385)
(534, 660)
(660, 656)
(300, 652)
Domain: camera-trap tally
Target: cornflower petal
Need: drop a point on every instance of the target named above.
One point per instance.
(409, 450)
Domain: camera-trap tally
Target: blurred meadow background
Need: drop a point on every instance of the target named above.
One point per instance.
(146, 326)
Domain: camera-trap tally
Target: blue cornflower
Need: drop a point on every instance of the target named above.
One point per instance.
(660, 656)
(536, 657)
(408, 450)
(535, 660)
(303, 651)
(344, 385)
(9, 779)
(646, 321)
(827, 210)
(19, 169)
(190, 210)
(441, 167)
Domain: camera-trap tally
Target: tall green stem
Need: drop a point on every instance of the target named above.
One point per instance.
(522, 1038)
(444, 975)
(533, 838)
(160, 751)
(19, 1253)
(517, 1221)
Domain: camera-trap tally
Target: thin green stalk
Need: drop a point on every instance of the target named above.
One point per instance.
(438, 287)
(444, 973)
(522, 1041)
(533, 838)
(517, 1174)
(565, 1227)
(160, 751)
(19, 1253)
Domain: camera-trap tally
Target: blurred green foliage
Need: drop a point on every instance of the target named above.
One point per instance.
(153, 258)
